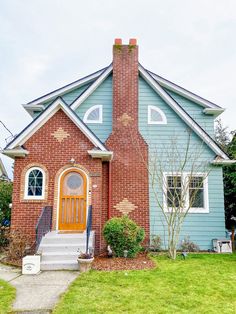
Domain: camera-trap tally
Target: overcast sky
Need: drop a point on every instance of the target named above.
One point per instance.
(45, 44)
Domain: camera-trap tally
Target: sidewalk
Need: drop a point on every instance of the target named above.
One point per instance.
(37, 293)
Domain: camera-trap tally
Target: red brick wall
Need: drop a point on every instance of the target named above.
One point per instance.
(46, 150)
(129, 172)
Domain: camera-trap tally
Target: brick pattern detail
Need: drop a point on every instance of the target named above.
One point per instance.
(129, 172)
(45, 151)
(125, 119)
(125, 206)
(60, 134)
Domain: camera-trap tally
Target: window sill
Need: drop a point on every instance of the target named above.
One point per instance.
(192, 210)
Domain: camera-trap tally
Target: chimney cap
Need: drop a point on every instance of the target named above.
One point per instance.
(118, 41)
(133, 41)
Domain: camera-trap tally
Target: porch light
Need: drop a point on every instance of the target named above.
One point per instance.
(72, 161)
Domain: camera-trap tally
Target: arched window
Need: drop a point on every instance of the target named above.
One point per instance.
(34, 183)
(93, 114)
(156, 115)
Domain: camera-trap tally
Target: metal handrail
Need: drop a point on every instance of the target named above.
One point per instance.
(89, 227)
(44, 224)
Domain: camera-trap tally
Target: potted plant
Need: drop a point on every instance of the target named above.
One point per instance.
(85, 261)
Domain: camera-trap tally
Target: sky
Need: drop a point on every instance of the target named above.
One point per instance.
(45, 44)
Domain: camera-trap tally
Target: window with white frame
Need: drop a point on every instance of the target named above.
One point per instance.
(186, 190)
(156, 115)
(34, 183)
(93, 114)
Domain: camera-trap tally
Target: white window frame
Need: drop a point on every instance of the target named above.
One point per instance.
(184, 177)
(87, 113)
(155, 108)
(34, 197)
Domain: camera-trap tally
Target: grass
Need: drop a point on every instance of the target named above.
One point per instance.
(7, 295)
(203, 283)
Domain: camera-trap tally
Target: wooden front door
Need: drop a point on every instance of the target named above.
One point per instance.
(73, 202)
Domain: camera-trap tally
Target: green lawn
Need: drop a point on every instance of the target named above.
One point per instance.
(200, 284)
(7, 295)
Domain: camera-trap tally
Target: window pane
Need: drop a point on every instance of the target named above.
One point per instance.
(196, 182)
(173, 197)
(35, 183)
(155, 116)
(174, 182)
(196, 198)
(174, 191)
(94, 115)
(73, 184)
(196, 192)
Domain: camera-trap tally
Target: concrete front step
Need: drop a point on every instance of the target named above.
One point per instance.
(60, 251)
(66, 248)
(59, 265)
(57, 256)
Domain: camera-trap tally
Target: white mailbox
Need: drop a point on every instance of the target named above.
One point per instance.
(31, 265)
(222, 245)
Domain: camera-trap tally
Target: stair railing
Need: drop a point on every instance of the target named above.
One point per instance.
(44, 224)
(89, 227)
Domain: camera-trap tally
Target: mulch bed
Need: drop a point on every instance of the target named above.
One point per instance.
(142, 261)
(9, 262)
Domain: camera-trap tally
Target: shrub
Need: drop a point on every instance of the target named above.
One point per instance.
(5, 200)
(4, 237)
(20, 245)
(188, 246)
(123, 234)
(156, 243)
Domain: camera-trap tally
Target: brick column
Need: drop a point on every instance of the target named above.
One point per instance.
(130, 193)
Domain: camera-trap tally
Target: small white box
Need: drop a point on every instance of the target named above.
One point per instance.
(31, 265)
(222, 245)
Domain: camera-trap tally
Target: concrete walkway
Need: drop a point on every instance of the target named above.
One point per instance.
(37, 293)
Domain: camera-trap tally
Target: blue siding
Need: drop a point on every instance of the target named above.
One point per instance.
(200, 227)
(69, 97)
(101, 96)
(196, 112)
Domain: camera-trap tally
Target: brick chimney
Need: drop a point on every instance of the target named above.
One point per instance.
(129, 174)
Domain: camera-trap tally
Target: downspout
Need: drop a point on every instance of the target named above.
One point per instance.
(109, 191)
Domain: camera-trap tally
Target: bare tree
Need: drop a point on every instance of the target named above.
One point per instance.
(178, 174)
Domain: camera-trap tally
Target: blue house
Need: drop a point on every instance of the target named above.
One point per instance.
(122, 140)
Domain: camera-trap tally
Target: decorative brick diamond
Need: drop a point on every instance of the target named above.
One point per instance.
(60, 134)
(125, 206)
(125, 119)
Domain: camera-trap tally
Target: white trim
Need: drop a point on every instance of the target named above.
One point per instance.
(163, 116)
(32, 108)
(91, 89)
(184, 179)
(183, 115)
(3, 169)
(45, 116)
(63, 89)
(34, 197)
(58, 193)
(223, 162)
(105, 156)
(183, 92)
(91, 109)
(16, 152)
(213, 111)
